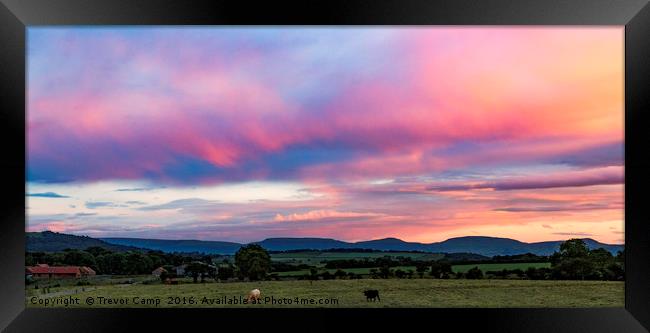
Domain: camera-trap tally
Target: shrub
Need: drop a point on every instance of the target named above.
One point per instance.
(474, 273)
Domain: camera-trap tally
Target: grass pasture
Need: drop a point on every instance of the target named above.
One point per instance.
(69, 285)
(348, 293)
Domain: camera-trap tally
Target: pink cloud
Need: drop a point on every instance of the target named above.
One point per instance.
(323, 215)
(413, 106)
(450, 86)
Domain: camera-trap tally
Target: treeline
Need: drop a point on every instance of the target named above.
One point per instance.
(435, 269)
(105, 261)
(278, 266)
(408, 261)
(526, 257)
(350, 250)
(345, 250)
(370, 262)
(574, 261)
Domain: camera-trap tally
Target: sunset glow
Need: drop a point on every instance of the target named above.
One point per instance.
(242, 134)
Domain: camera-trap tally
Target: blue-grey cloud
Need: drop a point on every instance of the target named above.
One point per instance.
(180, 204)
(47, 195)
(84, 214)
(610, 154)
(98, 204)
(578, 207)
(577, 179)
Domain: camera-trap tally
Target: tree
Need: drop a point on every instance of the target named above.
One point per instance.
(439, 269)
(112, 263)
(421, 268)
(572, 261)
(604, 264)
(574, 248)
(253, 262)
(157, 259)
(339, 274)
(54, 259)
(313, 274)
(520, 273)
(409, 273)
(620, 258)
(79, 258)
(97, 251)
(29, 259)
(474, 273)
(573, 268)
(619, 265)
(225, 272)
(400, 273)
(168, 273)
(137, 263)
(533, 274)
(385, 272)
(196, 269)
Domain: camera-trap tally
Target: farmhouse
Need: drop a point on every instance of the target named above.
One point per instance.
(45, 271)
(158, 271)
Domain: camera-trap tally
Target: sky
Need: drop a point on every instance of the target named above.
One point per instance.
(241, 134)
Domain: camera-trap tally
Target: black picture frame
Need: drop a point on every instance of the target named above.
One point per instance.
(16, 15)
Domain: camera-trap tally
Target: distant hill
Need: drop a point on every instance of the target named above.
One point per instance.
(47, 241)
(395, 244)
(283, 244)
(168, 245)
(491, 246)
(485, 246)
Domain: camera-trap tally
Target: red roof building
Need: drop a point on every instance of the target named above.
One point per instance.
(45, 271)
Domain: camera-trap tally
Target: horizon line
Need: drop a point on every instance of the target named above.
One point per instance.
(351, 242)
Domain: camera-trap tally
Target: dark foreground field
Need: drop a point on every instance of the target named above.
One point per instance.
(348, 293)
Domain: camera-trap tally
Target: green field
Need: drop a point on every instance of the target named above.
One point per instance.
(364, 271)
(348, 293)
(314, 258)
(500, 266)
(456, 268)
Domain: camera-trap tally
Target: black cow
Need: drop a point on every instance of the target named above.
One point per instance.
(372, 295)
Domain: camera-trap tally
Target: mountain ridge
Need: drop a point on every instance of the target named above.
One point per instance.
(483, 245)
(48, 241)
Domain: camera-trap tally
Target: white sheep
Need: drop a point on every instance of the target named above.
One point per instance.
(254, 295)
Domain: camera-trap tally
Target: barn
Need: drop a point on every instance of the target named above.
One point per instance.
(46, 271)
